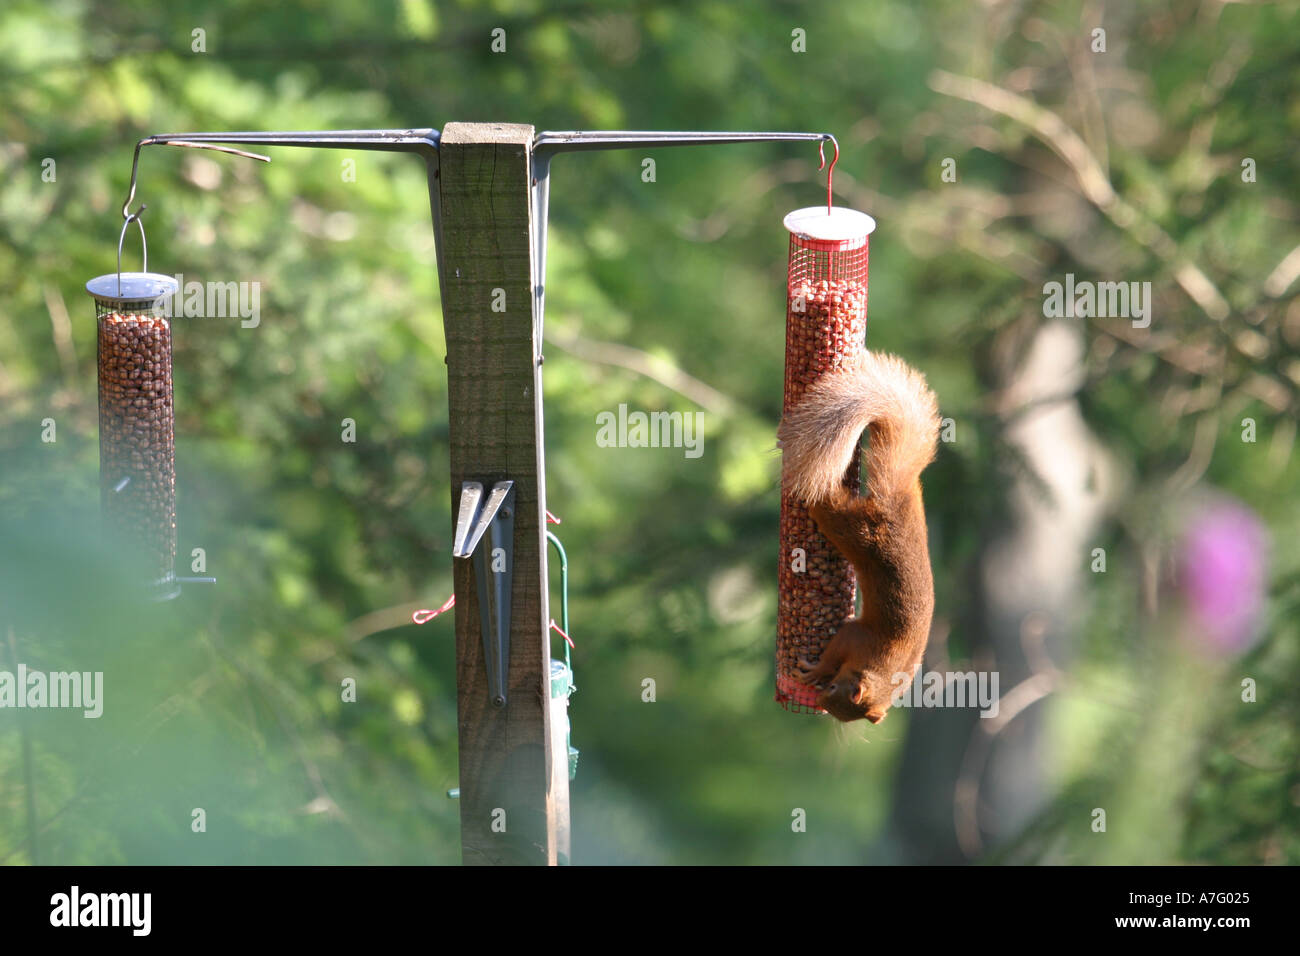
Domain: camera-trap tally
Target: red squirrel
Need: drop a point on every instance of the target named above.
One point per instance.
(882, 534)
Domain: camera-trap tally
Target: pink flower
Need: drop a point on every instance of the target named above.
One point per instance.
(1224, 568)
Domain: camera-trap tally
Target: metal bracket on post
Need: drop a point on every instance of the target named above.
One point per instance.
(493, 519)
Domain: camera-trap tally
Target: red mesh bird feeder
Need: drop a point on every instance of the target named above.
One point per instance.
(825, 329)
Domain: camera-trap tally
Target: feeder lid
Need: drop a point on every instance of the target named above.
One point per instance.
(839, 225)
(561, 679)
(132, 287)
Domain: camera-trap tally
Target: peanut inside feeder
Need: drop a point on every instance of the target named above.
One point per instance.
(137, 468)
(825, 329)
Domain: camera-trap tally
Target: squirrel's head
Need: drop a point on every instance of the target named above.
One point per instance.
(857, 694)
(867, 693)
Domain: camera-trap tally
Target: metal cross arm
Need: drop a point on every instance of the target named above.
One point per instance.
(425, 142)
(547, 144)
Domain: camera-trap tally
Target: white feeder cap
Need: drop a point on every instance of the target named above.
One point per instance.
(132, 287)
(839, 225)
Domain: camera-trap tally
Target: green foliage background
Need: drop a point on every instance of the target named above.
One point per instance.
(229, 699)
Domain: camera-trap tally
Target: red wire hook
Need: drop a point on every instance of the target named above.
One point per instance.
(424, 615)
(830, 173)
(560, 631)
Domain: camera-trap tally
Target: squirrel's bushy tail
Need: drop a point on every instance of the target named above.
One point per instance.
(819, 436)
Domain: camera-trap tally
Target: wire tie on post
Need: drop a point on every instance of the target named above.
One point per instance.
(424, 615)
(558, 630)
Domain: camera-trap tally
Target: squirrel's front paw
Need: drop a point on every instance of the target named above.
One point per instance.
(809, 673)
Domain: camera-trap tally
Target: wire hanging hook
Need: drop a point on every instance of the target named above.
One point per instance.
(830, 173)
(144, 244)
(127, 214)
(126, 206)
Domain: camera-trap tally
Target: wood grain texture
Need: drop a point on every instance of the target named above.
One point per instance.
(494, 384)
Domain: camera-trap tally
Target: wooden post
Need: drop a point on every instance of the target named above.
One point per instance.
(509, 807)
